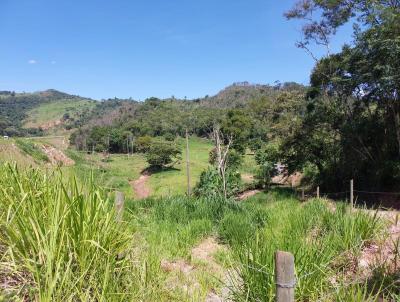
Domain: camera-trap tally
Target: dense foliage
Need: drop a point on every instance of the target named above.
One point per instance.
(163, 154)
(352, 125)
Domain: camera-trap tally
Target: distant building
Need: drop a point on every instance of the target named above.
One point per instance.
(5, 137)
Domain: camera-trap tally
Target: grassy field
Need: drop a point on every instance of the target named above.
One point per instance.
(61, 242)
(10, 152)
(114, 173)
(54, 111)
(119, 170)
(173, 181)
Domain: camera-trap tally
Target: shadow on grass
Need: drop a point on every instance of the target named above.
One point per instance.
(156, 170)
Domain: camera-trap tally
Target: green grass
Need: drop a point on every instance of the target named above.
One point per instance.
(59, 241)
(120, 169)
(113, 174)
(10, 152)
(322, 242)
(249, 165)
(32, 149)
(55, 110)
(173, 181)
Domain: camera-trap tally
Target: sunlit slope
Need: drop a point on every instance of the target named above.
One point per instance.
(55, 113)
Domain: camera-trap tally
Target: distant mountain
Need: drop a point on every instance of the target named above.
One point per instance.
(52, 110)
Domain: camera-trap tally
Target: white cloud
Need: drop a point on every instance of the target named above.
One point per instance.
(32, 61)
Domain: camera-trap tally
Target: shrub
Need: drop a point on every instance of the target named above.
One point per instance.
(169, 137)
(211, 184)
(143, 143)
(267, 158)
(234, 158)
(162, 154)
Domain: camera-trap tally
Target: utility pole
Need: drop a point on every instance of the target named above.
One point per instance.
(127, 146)
(187, 164)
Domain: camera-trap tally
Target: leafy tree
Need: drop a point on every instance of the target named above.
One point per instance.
(163, 154)
(236, 126)
(352, 124)
(234, 159)
(143, 144)
(267, 159)
(211, 183)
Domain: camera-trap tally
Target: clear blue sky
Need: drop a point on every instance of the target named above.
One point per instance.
(131, 48)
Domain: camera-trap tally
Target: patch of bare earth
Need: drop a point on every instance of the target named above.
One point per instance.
(247, 178)
(293, 180)
(385, 253)
(140, 186)
(57, 157)
(202, 260)
(50, 124)
(248, 194)
(13, 282)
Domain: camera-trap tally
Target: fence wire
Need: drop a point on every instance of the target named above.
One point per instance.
(361, 197)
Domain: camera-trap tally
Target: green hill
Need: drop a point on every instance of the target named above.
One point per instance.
(33, 113)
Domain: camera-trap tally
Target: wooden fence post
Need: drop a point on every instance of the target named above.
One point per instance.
(318, 192)
(284, 277)
(187, 164)
(119, 205)
(351, 193)
(302, 194)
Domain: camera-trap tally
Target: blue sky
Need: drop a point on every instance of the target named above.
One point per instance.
(138, 49)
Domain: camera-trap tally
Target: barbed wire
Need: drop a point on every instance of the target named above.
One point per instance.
(371, 192)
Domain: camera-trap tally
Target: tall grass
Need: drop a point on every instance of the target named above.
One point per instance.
(318, 237)
(63, 240)
(60, 241)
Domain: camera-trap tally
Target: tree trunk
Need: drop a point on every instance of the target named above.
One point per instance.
(396, 116)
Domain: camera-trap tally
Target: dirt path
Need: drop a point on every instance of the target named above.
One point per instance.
(140, 186)
(247, 194)
(202, 261)
(57, 157)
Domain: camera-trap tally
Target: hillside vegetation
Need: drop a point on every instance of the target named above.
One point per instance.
(31, 113)
(56, 113)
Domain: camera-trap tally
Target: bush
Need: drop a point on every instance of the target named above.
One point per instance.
(143, 143)
(211, 184)
(169, 137)
(234, 158)
(162, 154)
(310, 174)
(267, 158)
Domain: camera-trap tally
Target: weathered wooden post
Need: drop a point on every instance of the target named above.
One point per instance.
(318, 192)
(284, 277)
(119, 205)
(351, 194)
(188, 164)
(302, 194)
